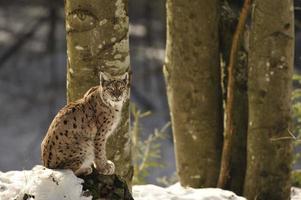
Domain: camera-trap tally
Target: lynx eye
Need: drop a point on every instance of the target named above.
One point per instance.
(81, 20)
(121, 88)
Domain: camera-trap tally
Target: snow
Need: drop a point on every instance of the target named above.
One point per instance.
(295, 193)
(41, 183)
(177, 192)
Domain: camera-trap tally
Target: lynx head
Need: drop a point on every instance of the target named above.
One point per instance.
(114, 89)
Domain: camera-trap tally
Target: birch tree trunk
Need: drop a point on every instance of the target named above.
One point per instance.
(270, 73)
(192, 74)
(97, 40)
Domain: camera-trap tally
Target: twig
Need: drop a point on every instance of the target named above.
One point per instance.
(228, 140)
(149, 142)
(291, 137)
(146, 152)
(135, 132)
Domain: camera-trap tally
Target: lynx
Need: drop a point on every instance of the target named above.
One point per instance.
(76, 138)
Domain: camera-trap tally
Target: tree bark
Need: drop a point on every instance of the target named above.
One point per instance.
(240, 126)
(192, 74)
(106, 187)
(229, 21)
(97, 40)
(270, 72)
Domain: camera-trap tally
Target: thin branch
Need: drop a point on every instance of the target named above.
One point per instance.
(291, 137)
(228, 141)
(146, 152)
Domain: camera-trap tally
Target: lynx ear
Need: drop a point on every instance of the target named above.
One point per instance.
(104, 76)
(125, 76)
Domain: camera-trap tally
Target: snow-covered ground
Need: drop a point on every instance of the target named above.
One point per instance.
(295, 193)
(41, 183)
(177, 192)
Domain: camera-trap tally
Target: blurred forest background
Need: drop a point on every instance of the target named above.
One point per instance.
(33, 74)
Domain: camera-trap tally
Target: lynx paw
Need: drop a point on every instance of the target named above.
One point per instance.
(83, 171)
(106, 169)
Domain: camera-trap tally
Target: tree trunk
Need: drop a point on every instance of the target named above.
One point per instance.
(240, 126)
(229, 20)
(97, 40)
(192, 74)
(106, 187)
(270, 73)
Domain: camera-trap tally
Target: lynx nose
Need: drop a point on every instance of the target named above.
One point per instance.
(116, 94)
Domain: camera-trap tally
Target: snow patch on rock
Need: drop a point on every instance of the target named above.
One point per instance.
(42, 184)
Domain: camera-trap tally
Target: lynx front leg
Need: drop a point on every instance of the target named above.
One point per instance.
(102, 164)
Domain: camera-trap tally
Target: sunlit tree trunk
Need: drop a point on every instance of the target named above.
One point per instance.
(192, 73)
(97, 40)
(270, 73)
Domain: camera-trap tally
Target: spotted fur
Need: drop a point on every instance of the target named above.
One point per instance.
(77, 136)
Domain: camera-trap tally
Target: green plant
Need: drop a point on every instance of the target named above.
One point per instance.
(296, 178)
(146, 153)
